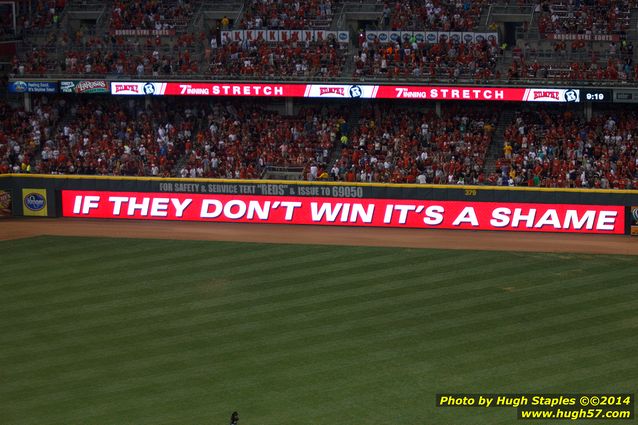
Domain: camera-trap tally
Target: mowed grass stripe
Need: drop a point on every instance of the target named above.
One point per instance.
(385, 371)
(339, 320)
(293, 395)
(128, 268)
(616, 376)
(589, 373)
(147, 290)
(41, 252)
(351, 351)
(592, 342)
(377, 376)
(397, 324)
(100, 351)
(130, 264)
(400, 320)
(177, 360)
(168, 296)
(558, 332)
(124, 265)
(90, 260)
(279, 341)
(150, 297)
(299, 371)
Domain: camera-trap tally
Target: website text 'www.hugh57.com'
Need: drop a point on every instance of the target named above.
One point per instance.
(549, 406)
(573, 414)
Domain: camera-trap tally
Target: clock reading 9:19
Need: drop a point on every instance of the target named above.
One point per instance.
(600, 95)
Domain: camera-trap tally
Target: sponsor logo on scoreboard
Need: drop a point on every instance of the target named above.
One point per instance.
(551, 95)
(126, 88)
(332, 90)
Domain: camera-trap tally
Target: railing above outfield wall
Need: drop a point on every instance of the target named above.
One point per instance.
(324, 203)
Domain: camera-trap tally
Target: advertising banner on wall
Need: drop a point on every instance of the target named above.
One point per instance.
(34, 202)
(283, 36)
(583, 37)
(430, 36)
(5, 204)
(84, 86)
(366, 212)
(634, 221)
(33, 87)
(140, 32)
(346, 91)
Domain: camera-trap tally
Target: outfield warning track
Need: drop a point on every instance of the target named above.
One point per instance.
(323, 235)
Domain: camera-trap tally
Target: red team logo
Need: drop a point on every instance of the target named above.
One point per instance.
(331, 90)
(126, 87)
(546, 95)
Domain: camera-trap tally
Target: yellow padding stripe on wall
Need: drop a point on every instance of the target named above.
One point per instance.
(322, 183)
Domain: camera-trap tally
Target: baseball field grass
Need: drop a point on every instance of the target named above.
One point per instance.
(106, 331)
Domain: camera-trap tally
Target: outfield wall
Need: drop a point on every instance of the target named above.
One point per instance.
(324, 203)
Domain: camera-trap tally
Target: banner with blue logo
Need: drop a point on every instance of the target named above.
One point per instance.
(33, 87)
(34, 202)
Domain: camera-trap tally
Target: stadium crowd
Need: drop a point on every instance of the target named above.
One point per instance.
(576, 61)
(82, 52)
(450, 59)
(584, 17)
(400, 145)
(33, 15)
(129, 60)
(93, 137)
(150, 14)
(289, 15)
(562, 149)
(86, 54)
(609, 70)
(229, 139)
(241, 141)
(23, 134)
(395, 145)
(186, 139)
(432, 15)
(290, 59)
